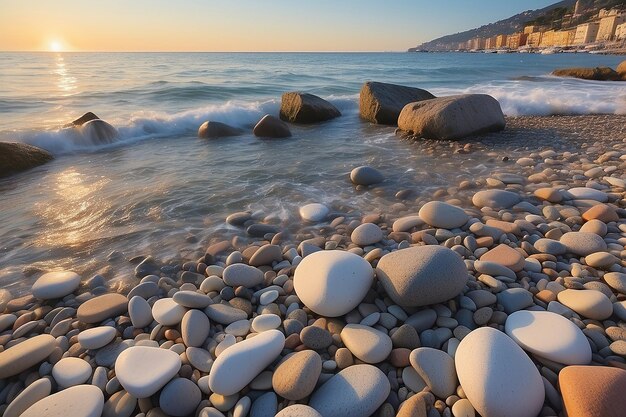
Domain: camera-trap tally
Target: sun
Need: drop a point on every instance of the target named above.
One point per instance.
(55, 46)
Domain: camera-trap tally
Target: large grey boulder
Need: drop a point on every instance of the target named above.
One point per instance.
(16, 157)
(298, 107)
(98, 132)
(453, 117)
(382, 103)
(596, 74)
(210, 129)
(271, 127)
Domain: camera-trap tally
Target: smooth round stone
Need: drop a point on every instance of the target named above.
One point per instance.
(36, 391)
(506, 256)
(120, 404)
(56, 285)
(444, 215)
(142, 370)
(76, 401)
(463, 408)
(366, 175)
(412, 380)
(422, 275)
(353, 392)
(366, 234)
(296, 376)
(584, 193)
(496, 199)
(102, 307)
(593, 391)
(28, 353)
(616, 280)
(436, 369)
(168, 312)
(265, 405)
(497, 376)
(553, 247)
(550, 336)
(268, 297)
(594, 226)
(238, 328)
(298, 410)
(96, 337)
(332, 283)
(366, 343)
(239, 364)
(588, 303)
(243, 275)
(265, 255)
(192, 299)
(266, 322)
(619, 309)
(601, 260)
(194, 328)
(314, 212)
(514, 299)
(316, 337)
(140, 312)
(180, 397)
(224, 314)
(71, 371)
(199, 358)
(405, 224)
(583, 243)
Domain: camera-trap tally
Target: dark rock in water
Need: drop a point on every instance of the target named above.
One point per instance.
(365, 175)
(453, 117)
(271, 127)
(260, 230)
(16, 157)
(382, 103)
(597, 74)
(621, 70)
(82, 119)
(148, 266)
(212, 129)
(298, 107)
(239, 218)
(98, 132)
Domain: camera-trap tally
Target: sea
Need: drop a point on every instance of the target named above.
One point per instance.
(160, 190)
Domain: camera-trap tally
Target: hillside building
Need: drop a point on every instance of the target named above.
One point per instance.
(533, 29)
(586, 33)
(620, 32)
(608, 25)
(534, 39)
(564, 37)
(516, 40)
(501, 41)
(548, 39)
(490, 43)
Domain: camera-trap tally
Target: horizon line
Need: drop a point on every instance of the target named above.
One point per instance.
(202, 52)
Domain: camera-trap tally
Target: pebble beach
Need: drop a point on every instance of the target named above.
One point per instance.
(499, 295)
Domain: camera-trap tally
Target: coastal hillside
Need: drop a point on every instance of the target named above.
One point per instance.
(511, 25)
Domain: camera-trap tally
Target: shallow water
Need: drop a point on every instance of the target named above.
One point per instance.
(162, 191)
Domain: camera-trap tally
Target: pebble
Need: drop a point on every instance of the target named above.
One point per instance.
(514, 299)
(366, 234)
(265, 405)
(463, 408)
(120, 404)
(28, 353)
(140, 312)
(593, 391)
(168, 312)
(616, 280)
(298, 410)
(180, 397)
(242, 275)
(79, 400)
(296, 376)
(366, 343)
(506, 256)
(583, 243)
(553, 247)
(601, 260)
(412, 380)
(102, 307)
(265, 322)
(584, 193)
(332, 283)
(54, 285)
(224, 314)
(588, 303)
(191, 299)
(314, 212)
(315, 337)
(366, 175)
(71, 371)
(142, 371)
(36, 391)
(497, 376)
(444, 215)
(199, 358)
(194, 328)
(239, 364)
(549, 336)
(495, 199)
(96, 337)
(353, 392)
(265, 255)
(437, 369)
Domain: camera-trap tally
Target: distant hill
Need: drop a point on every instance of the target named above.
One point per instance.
(507, 26)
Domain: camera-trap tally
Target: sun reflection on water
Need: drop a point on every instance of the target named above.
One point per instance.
(66, 83)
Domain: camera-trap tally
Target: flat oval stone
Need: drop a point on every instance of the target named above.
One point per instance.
(601, 260)
(444, 215)
(28, 353)
(194, 328)
(332, 283)
(314, 212)
(366, 175)
(180, 397)
(366, 234)
(140, 312)
(366, 343)
(549, 336)
(36, 391)
(142, 370)
(56, 285)
(192, 299)
(616, 280)
(266, 255)
(422, 275)
(199, 358)
(239, 364)
(353, 392)
(588, 303)
(505, 256)
(496, 199)
(80, 400)
(296, 376)
(224, 314)
(71, 371)
(242, 275)
(583, 243)
(436, 369)
(584, 193)
(405, 224)
(593, 391)
(120, 404)
(264, 322)
(102, 307)
(168, 312)
(497, 376)
(298, 410)
(96, 337)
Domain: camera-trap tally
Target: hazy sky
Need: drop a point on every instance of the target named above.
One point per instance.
(242, 25)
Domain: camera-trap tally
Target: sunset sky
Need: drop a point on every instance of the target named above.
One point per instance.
(241, 25)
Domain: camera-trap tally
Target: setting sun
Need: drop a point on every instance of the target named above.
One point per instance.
(55, 46)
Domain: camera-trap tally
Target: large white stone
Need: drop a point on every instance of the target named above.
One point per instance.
(550, 336)
(497, 376)
(356, 391)
(239, 364)
(168, 312)
(71, 371)
(444, 215)
(96, 337)
(56, 285)
(584, 193)
(588, 303)
(36, 391)
(314, 212)
(332, 283)
(366, 343)
(143, 370)
(583, 243)
(77, 401)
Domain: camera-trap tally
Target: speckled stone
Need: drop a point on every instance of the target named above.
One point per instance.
(296, 376)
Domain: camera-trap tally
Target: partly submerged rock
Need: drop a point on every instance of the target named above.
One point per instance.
(453, 117)
(16, 157)
(211, 129)
(271, 127)
(82, 120)
(597, 73)
(98, 132)
(299, 107)
(382, 103)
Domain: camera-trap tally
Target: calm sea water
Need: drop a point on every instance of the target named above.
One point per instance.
(160, 190)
